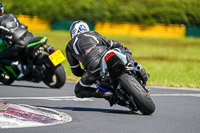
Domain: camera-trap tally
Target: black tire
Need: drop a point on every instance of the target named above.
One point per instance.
(6, 79)
(55, 77)
(143, 101)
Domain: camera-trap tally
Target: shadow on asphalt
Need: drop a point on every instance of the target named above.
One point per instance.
(114, 111)
(27, 86)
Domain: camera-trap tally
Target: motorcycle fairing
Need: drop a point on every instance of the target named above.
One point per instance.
(121, 55)
(2, 45)
(10, 69)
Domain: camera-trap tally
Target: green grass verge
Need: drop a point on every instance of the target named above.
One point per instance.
(170, 62)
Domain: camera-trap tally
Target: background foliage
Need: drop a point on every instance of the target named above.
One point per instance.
(137, 11)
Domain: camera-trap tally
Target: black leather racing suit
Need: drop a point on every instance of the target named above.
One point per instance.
(88, 48)
(15, 35)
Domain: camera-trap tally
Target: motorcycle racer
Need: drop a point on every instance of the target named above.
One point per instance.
(16, 36)
(87, 48)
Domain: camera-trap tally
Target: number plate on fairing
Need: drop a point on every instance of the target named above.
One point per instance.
(57, 57)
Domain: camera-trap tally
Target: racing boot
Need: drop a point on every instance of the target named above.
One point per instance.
(110, 97)
(22, 68)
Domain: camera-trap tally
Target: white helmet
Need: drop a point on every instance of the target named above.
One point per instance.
(78, 27)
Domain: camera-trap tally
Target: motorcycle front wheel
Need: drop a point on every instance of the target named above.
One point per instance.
(5, 78)
(142, 99)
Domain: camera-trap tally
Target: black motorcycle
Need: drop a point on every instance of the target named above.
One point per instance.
(125, 82)
(43, 64)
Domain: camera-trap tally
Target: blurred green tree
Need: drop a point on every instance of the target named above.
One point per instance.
(137, 11)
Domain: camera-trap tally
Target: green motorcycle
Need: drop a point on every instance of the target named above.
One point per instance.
(43, 62)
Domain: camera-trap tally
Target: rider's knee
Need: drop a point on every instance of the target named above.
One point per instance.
(77, 91)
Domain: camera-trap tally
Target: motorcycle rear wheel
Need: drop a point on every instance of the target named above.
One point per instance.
(143, 101)
(55, 78)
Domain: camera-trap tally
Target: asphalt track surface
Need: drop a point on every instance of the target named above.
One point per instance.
(177, 111)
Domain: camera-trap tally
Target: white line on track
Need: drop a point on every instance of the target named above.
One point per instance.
(175, 95)
(173, 88)
(73, 98)
(68, 98)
